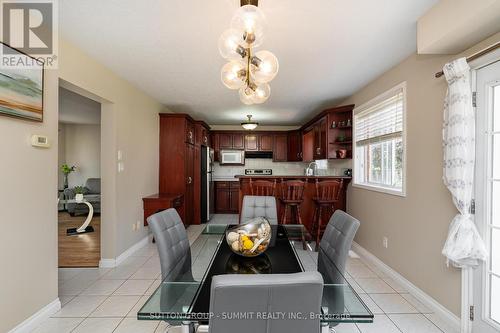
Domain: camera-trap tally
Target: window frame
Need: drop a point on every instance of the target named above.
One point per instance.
(376, 100)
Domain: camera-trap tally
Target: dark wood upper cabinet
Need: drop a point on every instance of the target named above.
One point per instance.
(294, 146)
(266, 142)
(280, 149)
(251, 142)
(320, 140)
(308, 145)
(238, 141)
(225, 141)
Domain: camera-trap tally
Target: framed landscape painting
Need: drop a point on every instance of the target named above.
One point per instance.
(21, 88)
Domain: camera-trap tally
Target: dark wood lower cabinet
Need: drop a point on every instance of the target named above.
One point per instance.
(227, 197)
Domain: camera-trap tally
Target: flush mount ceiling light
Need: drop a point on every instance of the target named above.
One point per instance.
(246, 71)
(249, 124)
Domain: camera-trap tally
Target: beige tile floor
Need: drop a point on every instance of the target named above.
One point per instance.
(106, 300)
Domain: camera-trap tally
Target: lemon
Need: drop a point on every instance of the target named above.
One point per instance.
(247, 244)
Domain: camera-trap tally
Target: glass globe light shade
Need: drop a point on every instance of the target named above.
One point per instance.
(246, 95)
(230, 45)
(233, 74)
(249, 20)
(262, 93)
(264, 66)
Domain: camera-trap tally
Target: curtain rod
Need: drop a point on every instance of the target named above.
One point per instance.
(475, 56)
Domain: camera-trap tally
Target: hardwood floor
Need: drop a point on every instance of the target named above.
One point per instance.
(80, 250)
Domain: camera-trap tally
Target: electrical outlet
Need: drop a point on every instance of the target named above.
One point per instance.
(134, 227)
(385, 242)
(138, 225)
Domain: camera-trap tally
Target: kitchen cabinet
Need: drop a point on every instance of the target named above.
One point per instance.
(177, 160)
(280, 148)
(238, 141)
(202, 134)
(294, 146)
(308, 145)
(227, 197)
(320, 144)
(251, 142)
(225, 141)
(266, 142)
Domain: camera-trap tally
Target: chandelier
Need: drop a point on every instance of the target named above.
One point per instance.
(247, 71)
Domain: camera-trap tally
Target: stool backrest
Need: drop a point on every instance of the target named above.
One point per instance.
(264, 188)
(329, 190)
(292, 190)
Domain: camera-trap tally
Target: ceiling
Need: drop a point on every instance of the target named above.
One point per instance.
(77, 109)
(327, 50)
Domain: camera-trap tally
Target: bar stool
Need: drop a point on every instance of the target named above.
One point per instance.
(327, 195)
(264, 188)
(292, 197)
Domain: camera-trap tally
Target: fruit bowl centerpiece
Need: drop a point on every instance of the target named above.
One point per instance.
(251, 238)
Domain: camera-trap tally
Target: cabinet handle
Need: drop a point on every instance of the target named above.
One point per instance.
(190, 135)
(298, 155)
(205, 139)
(190, 180)
(301, 155)
(318, 151)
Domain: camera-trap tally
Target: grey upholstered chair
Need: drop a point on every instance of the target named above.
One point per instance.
(336, 243)
(265, 293)
(173, 245)
(259, 206)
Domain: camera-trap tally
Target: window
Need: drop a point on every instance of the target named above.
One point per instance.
(379, 159)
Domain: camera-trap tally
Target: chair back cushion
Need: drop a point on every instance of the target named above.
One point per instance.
(336, 241)
(259, 206)
(173, 245)
(94, 185)
(289, 294)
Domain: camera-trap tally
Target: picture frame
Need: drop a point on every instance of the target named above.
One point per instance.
(21, 88)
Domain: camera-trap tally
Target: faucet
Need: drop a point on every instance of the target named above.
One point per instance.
(310, 171)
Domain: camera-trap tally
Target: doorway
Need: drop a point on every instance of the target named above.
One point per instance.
(486, 278)
(79, 222)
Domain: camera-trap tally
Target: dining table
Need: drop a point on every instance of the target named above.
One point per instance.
(184, 300)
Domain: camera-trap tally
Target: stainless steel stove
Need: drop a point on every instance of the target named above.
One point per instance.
(259, 172)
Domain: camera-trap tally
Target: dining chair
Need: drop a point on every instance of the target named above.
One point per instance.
(259, 206)
(297, 293)
(173, 245)
(335, 245)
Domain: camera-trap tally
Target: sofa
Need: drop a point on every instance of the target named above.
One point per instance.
(91, 193)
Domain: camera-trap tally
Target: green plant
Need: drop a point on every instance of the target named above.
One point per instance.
(79, 189)
(66, 169)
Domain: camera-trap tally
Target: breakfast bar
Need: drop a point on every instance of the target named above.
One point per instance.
(308, 206)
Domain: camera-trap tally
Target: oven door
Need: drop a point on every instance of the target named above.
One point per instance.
(233, 157)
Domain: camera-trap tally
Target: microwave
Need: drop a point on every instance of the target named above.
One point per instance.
(232, 157)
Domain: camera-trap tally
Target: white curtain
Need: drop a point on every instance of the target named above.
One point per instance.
(464, 246)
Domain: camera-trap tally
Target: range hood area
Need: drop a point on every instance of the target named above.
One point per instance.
(259, 154)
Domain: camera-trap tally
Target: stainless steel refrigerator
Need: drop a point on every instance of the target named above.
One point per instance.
(207, 184)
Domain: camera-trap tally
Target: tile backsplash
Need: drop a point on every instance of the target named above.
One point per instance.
(327, 168)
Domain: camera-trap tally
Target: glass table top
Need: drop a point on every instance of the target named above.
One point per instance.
(186, 296)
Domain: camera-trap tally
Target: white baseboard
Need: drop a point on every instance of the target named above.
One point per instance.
(445, 314)
(110, 263)
(36, 319)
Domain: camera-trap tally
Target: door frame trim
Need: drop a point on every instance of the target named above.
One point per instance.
(467, 273)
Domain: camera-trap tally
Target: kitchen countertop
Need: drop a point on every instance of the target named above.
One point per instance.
(224, 179)
(289, 176)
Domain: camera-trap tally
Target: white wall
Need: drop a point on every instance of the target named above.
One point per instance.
(82, 148)
(28, 213)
